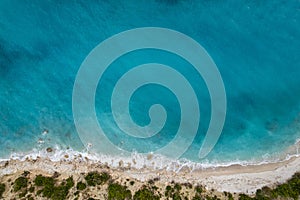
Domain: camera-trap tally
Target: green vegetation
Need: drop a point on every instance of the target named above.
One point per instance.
(264, 193)
(95, 178)
(2, 189)
(291, 189)
(176, 196)
(177, 187)
(69, 183)
(47, 183)
(173, 192)
(50, 190)
(145, 194)
(288, 190)
(197, 197)
(230, 197)
(244, 197)
(168, 191)
(43, 181)
(199, 190)
(60, 193)
(20, 183)
(118, 192)
(23, 193)
(31, 189)
(81, 186)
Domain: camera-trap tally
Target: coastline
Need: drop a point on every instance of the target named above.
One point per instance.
(234, 178)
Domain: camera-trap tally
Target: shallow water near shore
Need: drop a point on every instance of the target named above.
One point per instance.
(255, 46)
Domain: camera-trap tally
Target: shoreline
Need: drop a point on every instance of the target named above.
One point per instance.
(234, 178)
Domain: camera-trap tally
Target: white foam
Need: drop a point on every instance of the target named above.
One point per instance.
(140, 161)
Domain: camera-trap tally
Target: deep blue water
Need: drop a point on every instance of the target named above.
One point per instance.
(255, 44)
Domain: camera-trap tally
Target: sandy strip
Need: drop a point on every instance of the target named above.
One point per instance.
(235, 178)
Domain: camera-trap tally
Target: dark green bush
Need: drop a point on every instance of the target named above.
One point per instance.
(199, 189)
(48, 190)
(94, 178)
(69, 183)
(2, 189)
(290, 189)
(118, 192)
(43, 181)
(169, 191)
(51, 191)
(294, 183)
(230, 197)
(285, 190)
(31, 189)
(244, 197)
(39, 192)
(47, 183)
(23, 193)
(81, 186)
(176, 196)
(197, 197)
(261, 195)
(145, 194)
(60, 193)
(20, 183)
(30, 198)
(177, 187)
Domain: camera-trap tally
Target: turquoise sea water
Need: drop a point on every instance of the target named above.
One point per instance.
(255, 44)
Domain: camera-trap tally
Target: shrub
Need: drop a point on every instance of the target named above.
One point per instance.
(20, 183)
(48, 190)
(261, 195)
(2, 189)
(60, 193)
(51, 191)
(244, 197)
(176, 196)
(199, 189)
(284, 190)
(118, 192)
(145, 194)
(177, 187)
(23, 193)
(94, 178)
(197, 197)
(31, 189)
(173, 192)
(43, 181)
(47, 183)
(169, 190)
(81, 186)
(230, 197)
(294, 183)
(69, 182)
